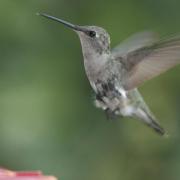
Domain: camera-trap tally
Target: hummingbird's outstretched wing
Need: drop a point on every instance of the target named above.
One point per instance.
(150, 61)
(134, 42)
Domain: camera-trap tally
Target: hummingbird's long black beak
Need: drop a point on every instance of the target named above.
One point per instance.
(70, 25)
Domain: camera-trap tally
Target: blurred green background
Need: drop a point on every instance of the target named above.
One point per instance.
(47, 118)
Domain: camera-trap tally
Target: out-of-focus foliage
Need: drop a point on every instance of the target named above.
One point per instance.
(47, 118)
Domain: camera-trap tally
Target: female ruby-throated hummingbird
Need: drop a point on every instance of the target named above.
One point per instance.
(115, 74)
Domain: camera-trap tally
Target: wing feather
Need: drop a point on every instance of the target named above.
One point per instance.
(134, 42)
(147, 62)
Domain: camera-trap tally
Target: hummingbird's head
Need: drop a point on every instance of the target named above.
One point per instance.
(93, 39)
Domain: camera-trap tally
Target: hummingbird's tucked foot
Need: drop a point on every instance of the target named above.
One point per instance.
(99, 103)
(111, 115)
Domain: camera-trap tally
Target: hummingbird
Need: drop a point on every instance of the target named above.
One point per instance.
(115, 74)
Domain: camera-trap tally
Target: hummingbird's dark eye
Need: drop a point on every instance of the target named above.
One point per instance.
(92, 34)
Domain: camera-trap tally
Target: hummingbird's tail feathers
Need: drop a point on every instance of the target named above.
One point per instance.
(142, 112)
(149, 119)
(157, 128)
